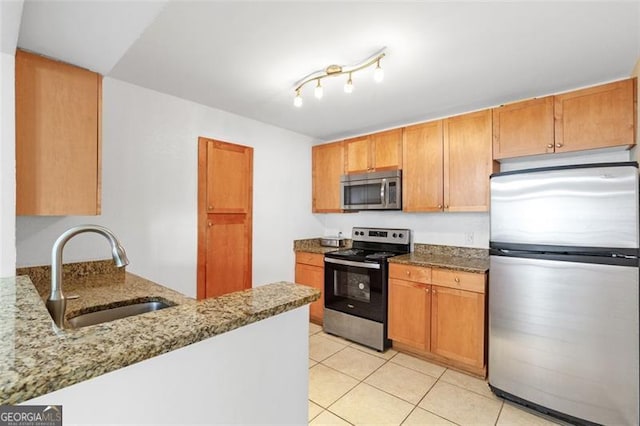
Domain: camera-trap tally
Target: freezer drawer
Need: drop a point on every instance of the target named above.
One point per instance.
(564, 336)
(584, 206)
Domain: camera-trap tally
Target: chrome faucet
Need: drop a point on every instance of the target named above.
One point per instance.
(56, 303)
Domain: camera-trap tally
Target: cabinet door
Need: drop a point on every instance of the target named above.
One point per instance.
(57, 137)
(228, 257)
(523, 128)
(312, 276)
(596, 117)
(387, 150)
(422, 173)
(327, 167)
(457, 325)
(226, 194)
(409, 313)
(467, 162)
(358, 152)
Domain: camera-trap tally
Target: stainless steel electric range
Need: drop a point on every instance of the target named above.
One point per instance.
(356, 285)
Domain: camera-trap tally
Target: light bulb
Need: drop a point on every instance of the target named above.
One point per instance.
(378, 73)
(348, 87)
(318, 91)
(297, 101)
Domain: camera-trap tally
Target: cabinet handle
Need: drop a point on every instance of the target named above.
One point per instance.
(456, 279)
(439, 206)
(434, 291)
(210, 207)
(407, 272)
(427, 290)
(446, 206)
(558, 145)
(550, 145)
(210, 224)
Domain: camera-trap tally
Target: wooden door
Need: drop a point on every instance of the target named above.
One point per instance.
(457, 325)
(523, 128)
(327, 167)
(312, 276)
(225, 217)
(58, 134)
(596, 117)
(422, 183)
(467, 162)
(386, 150)
(409, 313)
(228, 266)
(228, 188)
(358, 155)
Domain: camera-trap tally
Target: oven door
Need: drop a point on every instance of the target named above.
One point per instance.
(355, 288)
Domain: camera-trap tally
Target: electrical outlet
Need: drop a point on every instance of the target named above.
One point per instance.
(468, 237)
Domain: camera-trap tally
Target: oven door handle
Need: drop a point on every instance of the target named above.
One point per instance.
(352, 263)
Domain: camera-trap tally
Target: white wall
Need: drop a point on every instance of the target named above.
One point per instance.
(454, 229)
(253, 375)
(149, 190)
(7, 166)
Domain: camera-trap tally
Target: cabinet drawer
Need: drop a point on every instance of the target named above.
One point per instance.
(459, 280)
(314, 259)
(410, 273)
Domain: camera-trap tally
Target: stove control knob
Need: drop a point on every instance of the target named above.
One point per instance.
(401, 235)
(395, 235)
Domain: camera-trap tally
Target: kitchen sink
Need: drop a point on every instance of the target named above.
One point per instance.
(111, 314)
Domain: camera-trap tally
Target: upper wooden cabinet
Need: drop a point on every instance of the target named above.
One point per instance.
(596, 117)
(523, 128)
(467, 162)
(422, 173)
(327, 167)
(447, 164)
(225, 195)
(379, 151)
(58, 136)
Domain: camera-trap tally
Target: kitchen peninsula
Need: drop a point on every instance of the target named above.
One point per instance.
(193, 362)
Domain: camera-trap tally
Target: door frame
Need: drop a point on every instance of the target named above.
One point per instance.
(201, 273)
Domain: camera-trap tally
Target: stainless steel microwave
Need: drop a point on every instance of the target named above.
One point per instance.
(372, 191)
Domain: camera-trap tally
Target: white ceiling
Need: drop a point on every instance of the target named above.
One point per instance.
(244, 57)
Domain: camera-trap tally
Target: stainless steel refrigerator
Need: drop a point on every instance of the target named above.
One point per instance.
(563, 291)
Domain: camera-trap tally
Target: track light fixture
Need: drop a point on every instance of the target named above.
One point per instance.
(336, 70)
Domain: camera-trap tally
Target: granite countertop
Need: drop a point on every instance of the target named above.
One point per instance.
(36, 358)
(446, 257)
(312, 245)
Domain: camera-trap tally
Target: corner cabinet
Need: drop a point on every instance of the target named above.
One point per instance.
(439, 314)
(376, 152)
(327, 165)
(596, 117)
(58, 137)
(310, 271)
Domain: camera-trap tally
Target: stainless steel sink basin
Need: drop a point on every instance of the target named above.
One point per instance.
(111, 314)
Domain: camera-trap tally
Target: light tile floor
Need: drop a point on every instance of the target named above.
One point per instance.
(351, 384)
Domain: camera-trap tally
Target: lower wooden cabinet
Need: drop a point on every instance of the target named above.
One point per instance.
(439, 314)
(457, 325)
(310, 271)
(410, 313)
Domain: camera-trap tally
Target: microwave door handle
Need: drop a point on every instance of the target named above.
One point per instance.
(383, 184)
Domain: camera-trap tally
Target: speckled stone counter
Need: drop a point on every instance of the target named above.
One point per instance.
(446, 257)
(312, 245)
(36, 358)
